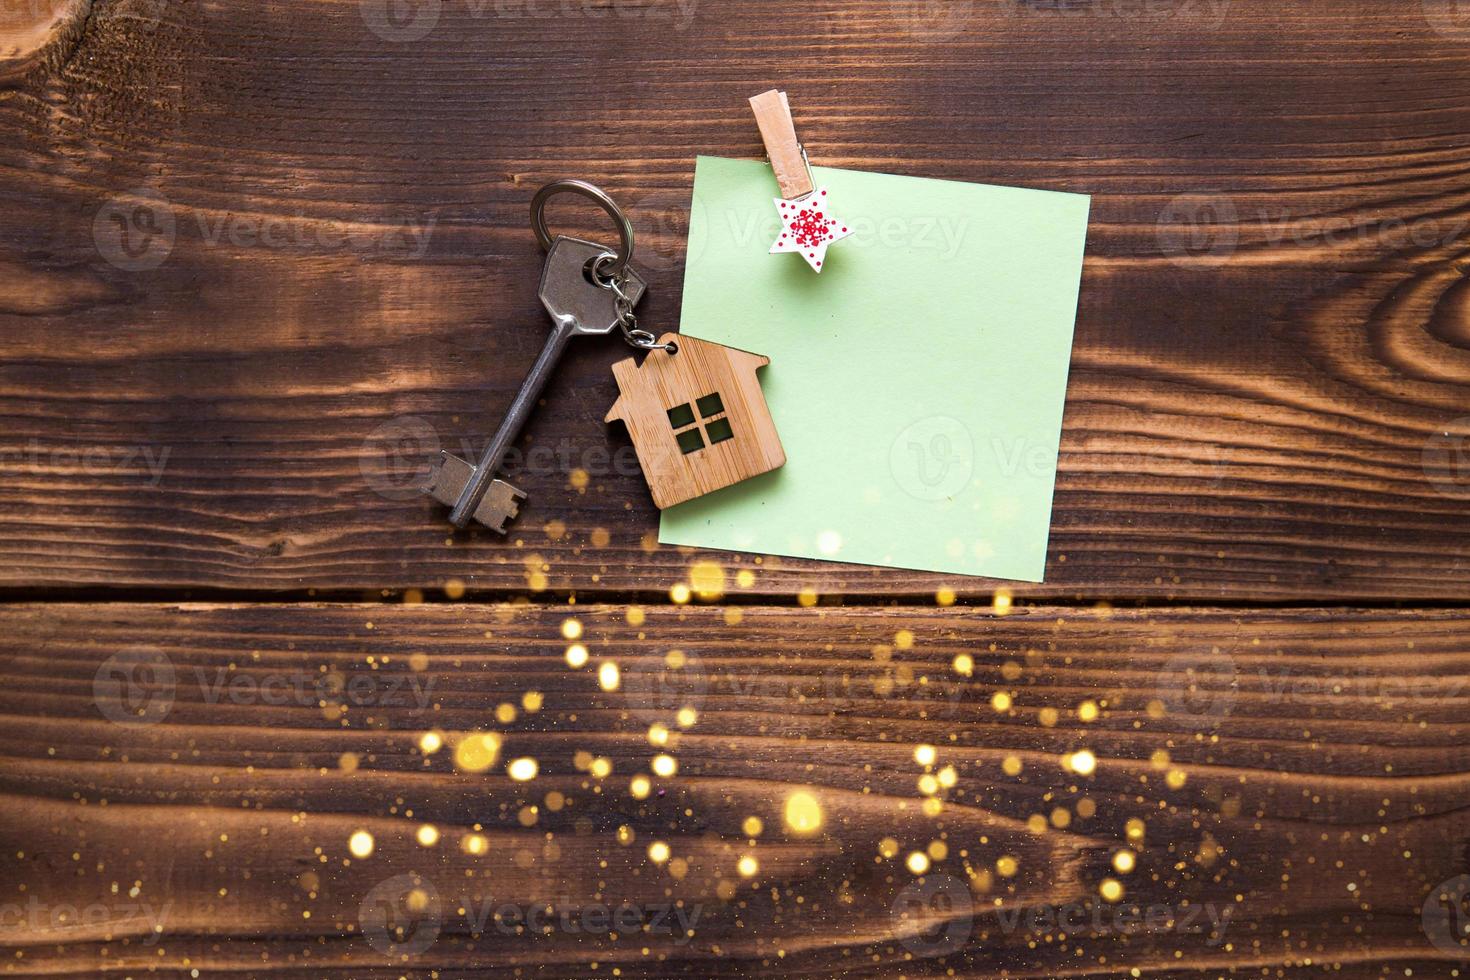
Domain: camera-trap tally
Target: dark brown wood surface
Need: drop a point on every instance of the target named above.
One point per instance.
(1323, 791)
(260, 261)
(1269, 352)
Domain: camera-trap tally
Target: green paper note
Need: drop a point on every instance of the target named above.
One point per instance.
(917, 382)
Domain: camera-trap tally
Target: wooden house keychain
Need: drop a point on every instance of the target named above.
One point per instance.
(807, 223)
(694, 408)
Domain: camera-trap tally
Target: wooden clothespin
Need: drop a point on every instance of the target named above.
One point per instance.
(807, 227)
(787, 155)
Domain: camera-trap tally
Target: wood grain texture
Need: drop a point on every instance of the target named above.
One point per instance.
(260, 261)
(1319, 795)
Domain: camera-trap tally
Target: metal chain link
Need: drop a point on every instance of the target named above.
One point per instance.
(627, 319)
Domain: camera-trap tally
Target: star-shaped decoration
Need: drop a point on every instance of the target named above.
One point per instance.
(807, 228)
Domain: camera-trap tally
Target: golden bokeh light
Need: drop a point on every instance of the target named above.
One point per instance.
(707, 579)
(477, 752)
(803, 813)
(1082, 762)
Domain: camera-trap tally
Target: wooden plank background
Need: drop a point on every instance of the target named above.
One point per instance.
(1321, 756)
(1270, 348)
(260, 261)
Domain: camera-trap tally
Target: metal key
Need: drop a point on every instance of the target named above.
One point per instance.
(578, 307)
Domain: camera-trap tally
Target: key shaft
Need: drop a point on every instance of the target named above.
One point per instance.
(579, 306)
(515, 419)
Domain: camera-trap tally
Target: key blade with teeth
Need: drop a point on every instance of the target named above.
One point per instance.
(501, 501)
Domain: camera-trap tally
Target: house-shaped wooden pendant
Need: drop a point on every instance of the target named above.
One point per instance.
(697, 418)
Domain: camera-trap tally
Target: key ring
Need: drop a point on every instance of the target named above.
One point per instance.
(608, 270)
(597, 196)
